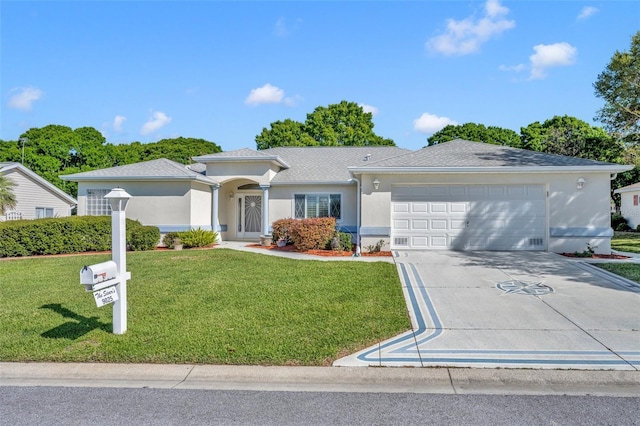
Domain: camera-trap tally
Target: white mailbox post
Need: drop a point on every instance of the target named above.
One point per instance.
(118, 198)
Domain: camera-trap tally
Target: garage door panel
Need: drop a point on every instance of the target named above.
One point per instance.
(474, 217)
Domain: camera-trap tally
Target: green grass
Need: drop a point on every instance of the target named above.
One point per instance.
(626, 241)
(213, 306)
(630, 271)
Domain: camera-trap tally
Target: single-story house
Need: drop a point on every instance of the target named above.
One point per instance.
(629, 203)
(36, 198)
(457, 195)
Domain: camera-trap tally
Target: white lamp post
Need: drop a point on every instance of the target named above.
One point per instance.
(118, 198)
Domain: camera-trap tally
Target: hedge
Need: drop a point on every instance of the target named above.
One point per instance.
(74, 234)
(312, 234)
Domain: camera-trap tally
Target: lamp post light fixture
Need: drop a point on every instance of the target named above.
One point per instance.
(118, 199)
(376, 184)
(580, 183)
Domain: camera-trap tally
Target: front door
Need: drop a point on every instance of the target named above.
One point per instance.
(249, 210)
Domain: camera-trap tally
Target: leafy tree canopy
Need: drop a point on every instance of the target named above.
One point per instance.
(343, 124)
(619, 86)
(56, 150)
(477, 133)
(565, 135)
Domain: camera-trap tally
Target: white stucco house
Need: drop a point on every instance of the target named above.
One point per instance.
(456, 195)
(630, 203)
(36, 198)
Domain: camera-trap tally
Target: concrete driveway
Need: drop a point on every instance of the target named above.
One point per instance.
(510, 310)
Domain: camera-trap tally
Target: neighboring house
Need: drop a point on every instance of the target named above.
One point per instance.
(456, 195)
(629, 203)
(36, 198)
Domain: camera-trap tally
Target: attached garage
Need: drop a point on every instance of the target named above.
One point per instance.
(469, 217)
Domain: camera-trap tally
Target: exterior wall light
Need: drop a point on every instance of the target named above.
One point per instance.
(376, 184)
(231, 194)
(580, 183)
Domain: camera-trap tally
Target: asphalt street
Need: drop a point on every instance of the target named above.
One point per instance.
(117, 406)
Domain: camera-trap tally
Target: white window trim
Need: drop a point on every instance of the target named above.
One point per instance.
(45, 209)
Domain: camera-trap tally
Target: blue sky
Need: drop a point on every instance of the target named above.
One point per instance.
(222, 71)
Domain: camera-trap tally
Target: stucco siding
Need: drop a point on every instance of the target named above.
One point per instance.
(200, 206)
(163, 204)
(225, 172)
(628, 210)
(31, 195)
(576, 217)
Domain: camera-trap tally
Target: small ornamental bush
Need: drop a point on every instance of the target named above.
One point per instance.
(312, 234)
(197, 238)
(189, 239)
(281, 230)
(623, 227)
(616, 220)
(341, 241)
(140, 238)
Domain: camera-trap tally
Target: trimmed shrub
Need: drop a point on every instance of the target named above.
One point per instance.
(341, 241)
(140, 238)
(616, 220)
(623, 227)
(312, 234)
(281, 230)
(74, 234)
(170, 238)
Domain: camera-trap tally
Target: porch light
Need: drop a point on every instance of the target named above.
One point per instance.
(118, 198)
(580, 183)
(376, 184)
(231, 194)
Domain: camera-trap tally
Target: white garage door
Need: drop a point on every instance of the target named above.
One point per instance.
(471, 217)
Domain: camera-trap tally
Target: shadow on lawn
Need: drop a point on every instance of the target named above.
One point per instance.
(72, 329)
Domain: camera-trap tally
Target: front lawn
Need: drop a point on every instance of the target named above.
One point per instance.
(211, 306)
(630, 271)
(626, 241)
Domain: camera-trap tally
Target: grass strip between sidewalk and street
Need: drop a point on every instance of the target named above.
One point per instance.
(200, 306)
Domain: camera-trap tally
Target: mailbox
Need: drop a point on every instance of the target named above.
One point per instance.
(98, 276)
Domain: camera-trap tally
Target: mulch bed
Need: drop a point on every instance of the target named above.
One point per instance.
(597, 256)
(324, 253)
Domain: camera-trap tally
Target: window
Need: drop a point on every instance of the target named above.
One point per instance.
(42, 212)
(317, 205)
(97, 205)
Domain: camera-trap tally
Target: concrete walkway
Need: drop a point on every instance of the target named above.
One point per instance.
(511, 310)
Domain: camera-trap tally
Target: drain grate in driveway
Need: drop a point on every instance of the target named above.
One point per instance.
(529, 288)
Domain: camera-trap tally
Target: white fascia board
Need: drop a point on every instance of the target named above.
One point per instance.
(48, 185)
(500, 169)
(623, 190)
(138, 179)
(315, 182)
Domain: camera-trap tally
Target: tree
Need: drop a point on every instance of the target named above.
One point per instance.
(7, 197)
(343, 124)
(477, 133)
(573, 137)
(619, 86)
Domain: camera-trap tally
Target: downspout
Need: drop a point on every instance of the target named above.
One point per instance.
(357, 215)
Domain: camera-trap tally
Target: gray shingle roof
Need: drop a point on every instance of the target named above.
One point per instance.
(244, 154)
(462, 153)
(146, 170)
(326, 164)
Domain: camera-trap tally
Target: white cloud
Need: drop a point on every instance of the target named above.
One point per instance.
(466, 36)
(515, 68)
(266, 94)
(24, 97)
(430, 123)
(158, 120)
(549, 56)
(586, 12)
(282, 29)
(369, 108)
(117, 123)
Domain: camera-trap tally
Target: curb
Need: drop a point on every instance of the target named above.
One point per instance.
(324, 379)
